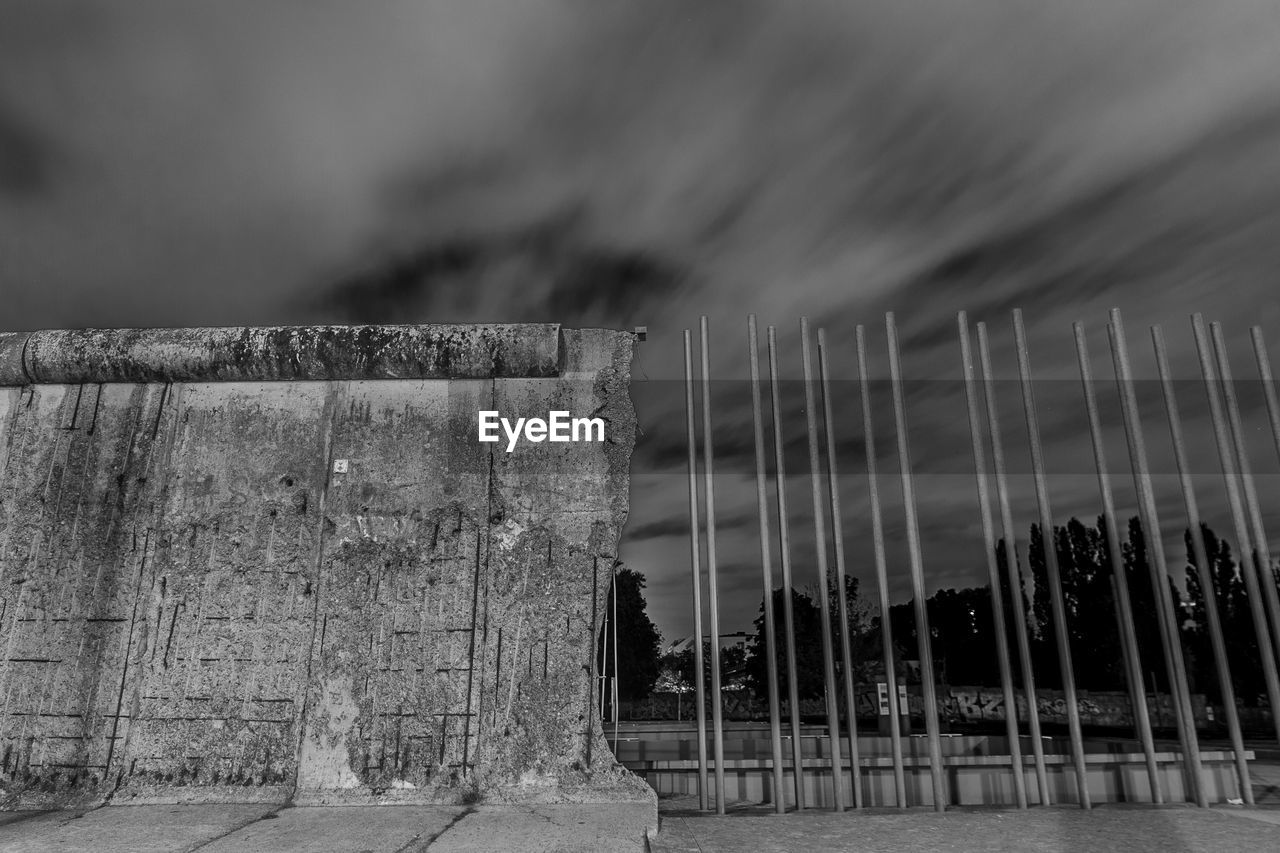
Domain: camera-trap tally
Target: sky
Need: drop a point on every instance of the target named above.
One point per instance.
(605, 163)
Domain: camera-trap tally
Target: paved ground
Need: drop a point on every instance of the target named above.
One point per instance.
(1130, 829)
(342, 829)
(1266, 782)
(577, 829)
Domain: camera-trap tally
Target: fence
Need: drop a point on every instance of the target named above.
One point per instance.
(1008, 556)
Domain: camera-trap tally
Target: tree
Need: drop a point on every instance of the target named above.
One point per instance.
(678, 668)
(964, 636)
(676, 671)
(638, 640)
(1094, 633)
(808, 648)
(1234, 615)
(864, 642)
(1145, 615)
(1085, 571)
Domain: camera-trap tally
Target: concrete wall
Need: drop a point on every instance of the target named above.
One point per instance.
(195, 605)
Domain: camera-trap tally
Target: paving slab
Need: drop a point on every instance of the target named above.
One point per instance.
(559, 828)
(127, 829)
(367, 829)
(1265, 776)
(1042, 830)
(14, 817)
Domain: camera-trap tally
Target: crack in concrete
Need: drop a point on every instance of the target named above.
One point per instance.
(245, 825)
(415, 847)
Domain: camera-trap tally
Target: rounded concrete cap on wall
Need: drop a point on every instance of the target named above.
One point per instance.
(280, 353)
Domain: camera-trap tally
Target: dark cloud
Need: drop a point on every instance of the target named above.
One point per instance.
(606, 162)
(577, 282)
(678, 525)
(27, 159)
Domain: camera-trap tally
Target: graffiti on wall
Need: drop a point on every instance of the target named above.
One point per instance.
(955, 705)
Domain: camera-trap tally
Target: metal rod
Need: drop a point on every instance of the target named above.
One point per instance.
(766, 570)
(1247, 568)
(923, 637)
(1268, 383)
(604, 656)
(1137, 689)
(820, 548)
(882, 575)
(1057, 602)
(1261, 550)
(993, 569)
(616, 657)
(695, 562)
(614, 695)
(1014, 566)
(717, 723)
(1120, 583)
(784, 539)
(837, 536)
(1157, 567)
(1207, 584)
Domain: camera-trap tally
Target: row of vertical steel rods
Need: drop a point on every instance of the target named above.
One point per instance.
(1119, 584)
(766, 569)
(1014, 563)
(771, 640)
(993, 568)
(1057, 601)
(837, 538)
(882, 574)
(696, 559)
(1245, 511)
(824, 606)
(1201, 553)
(1157, 565)
(1271, 598)
(915, 553)
(1250, 570)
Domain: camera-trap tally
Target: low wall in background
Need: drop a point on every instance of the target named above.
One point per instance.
(956, 704)
(277, 564)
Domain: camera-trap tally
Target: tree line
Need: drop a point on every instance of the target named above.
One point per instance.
(962, 628)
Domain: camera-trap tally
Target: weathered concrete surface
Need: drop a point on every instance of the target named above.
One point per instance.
(219, 656)
(76, 500)
(279, 353)
(318, 591)
(399, 613)
(12, 371)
